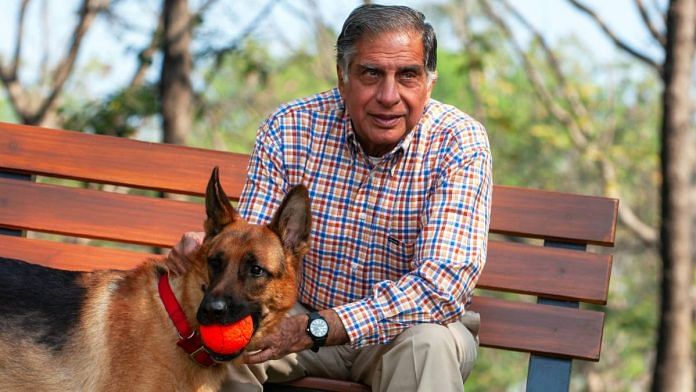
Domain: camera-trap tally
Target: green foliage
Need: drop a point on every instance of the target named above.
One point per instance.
(6, 112)
(121, 114)
(248, 86)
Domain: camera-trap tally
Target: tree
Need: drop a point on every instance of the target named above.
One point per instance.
(674, 362)
(673, 369)
(38, 105)
(175, 82)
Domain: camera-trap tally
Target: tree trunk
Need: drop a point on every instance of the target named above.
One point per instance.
(175, 82)
(674, 366)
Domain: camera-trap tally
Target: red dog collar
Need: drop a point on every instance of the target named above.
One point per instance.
(189, 340)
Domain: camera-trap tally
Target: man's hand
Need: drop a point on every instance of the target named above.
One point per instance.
(291, 336)
(180, 257)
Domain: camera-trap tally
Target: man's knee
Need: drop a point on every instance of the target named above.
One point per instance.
(428, 337)
(453, 344)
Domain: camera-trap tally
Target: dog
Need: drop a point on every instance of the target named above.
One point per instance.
(109, 330)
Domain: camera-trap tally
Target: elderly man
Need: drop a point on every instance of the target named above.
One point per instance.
(401, 188)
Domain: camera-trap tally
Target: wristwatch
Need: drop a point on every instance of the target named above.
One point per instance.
(317, 329)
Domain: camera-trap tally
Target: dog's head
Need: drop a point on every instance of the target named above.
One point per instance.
(252, 269)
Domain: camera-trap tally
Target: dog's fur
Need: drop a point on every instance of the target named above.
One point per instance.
(108, 330)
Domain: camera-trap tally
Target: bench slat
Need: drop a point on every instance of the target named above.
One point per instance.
(94, 214)
(540, 329)
(510, 267)
(74, 257)
(514, 325)
(98, 158)
(554, 215)
(549, 272)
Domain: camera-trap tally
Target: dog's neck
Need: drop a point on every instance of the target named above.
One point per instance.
(189, 339)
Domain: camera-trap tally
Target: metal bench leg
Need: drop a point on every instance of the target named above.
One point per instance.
(549, 374)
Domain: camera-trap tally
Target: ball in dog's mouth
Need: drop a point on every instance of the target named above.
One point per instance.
(225, 342)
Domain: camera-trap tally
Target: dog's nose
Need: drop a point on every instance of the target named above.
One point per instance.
(215, 307)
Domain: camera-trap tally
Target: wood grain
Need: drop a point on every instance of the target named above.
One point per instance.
(93, 214)
(540, 329)
(113, 160)
(549, 272)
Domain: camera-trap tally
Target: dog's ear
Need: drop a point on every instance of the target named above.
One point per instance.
(218, 208)
(293, 220)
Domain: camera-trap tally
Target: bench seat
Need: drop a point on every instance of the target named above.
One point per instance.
(103, 194)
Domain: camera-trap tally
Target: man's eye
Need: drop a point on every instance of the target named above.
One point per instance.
(256, 271)
(371, 73)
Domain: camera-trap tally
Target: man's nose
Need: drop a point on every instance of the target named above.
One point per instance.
(388, 94)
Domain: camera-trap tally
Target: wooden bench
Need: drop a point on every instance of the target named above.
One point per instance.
(554, 271)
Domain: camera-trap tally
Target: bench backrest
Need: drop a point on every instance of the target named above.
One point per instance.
(562, 272)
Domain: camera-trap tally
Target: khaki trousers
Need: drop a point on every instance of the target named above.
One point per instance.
(425, 357)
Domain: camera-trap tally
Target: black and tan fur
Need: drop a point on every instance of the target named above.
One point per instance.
(108, 330)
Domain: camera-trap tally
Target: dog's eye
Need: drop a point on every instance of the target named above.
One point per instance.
(215, 264)
(256, 271)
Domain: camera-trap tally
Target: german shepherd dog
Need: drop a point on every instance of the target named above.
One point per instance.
(108, 330)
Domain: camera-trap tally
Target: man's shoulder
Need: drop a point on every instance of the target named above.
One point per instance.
(327, 102)
(305, 121)
(449, 122)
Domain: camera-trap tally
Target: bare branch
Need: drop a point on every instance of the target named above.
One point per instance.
(221, 53)
(578, 109)
(46, 27)
(657, 6)
(20, 38)
(11, 73)
(537, 82)
(614, 38)
(88, 12)
(659, 36)
(145, 56)
(460, 18)
(579, 138)
(627, 216)
(325, 66)
(16, 93)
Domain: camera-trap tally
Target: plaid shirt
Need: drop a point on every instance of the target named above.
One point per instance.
(395, 242)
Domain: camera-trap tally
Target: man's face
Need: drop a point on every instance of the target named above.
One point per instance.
(387, 89)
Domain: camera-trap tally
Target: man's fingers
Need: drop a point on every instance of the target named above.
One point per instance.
(180, 256)
(259, 356)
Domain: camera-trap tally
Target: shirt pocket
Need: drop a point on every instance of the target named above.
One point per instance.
(399, 248)
(401, 239)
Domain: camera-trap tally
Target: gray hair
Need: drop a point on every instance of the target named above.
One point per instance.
(372, 19)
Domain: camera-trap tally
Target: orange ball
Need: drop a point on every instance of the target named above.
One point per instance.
(228, 338)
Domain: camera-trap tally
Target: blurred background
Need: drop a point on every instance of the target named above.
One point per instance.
(591, 97)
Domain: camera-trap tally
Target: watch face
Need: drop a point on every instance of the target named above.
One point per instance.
(319, 328)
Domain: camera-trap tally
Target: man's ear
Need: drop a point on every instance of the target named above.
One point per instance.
(218, 208)
(431, 83)
(339, 75)
(293, 220)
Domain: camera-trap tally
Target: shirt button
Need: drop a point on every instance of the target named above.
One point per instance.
(363, 216)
